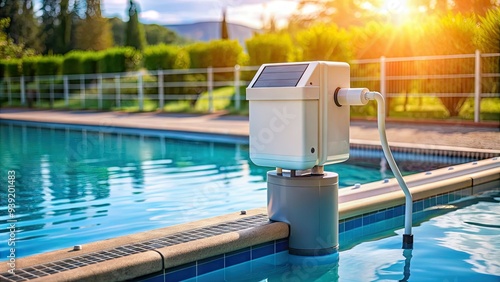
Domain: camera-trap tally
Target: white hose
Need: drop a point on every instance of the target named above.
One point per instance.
(390, 159)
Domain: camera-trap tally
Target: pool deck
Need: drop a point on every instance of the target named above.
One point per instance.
(485, 136)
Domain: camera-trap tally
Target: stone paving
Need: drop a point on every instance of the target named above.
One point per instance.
(432, 134)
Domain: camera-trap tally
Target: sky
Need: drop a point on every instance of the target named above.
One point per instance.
(247, 12)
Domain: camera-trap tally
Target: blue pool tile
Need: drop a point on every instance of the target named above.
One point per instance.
(399, 210)
(427, 203)
(353, 223)
(210, 264)
(341, 226)
(389, 213)
(237, 258)
(281, 245)
(433, 201)
(258, 252)
(368, 218)
(157, 278)
(380, 216)
(418, 206)
(182, 272)
(440, 200)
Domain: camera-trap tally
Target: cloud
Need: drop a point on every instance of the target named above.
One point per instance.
(247, 12)
(150, 15)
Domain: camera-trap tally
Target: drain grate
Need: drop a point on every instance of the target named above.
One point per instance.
(46, 269)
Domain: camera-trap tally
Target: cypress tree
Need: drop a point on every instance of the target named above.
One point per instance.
(134, 36)
(224, 32)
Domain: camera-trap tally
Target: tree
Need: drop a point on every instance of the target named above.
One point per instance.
(224, 33)
(64, 29)
(134, 36)
(93, 32)
(23, 27)
(49, 24)
(8, 48)
(489, 32)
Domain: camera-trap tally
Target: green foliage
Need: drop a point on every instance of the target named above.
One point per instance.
(118, 31)
(29, 66)
(13, 68)
(156, 34)
(325, 42)
(72, 63)
(119, 59)
(90, 61)
(93, 33)
(269, 48)
(163, 56)
(451, 34)
(9, 49)
(216, 53)
(489, 33)
(49, 65)
(134, 35)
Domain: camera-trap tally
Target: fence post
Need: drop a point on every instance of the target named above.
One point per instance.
(38, 94)
(118, 91)
(82, 90)
(140, 91)
(23, 91)
(210, 86)
(51, 87)
(161, 95)
(237, 97)
(477, 87)
(66, 91)
(99, 91)
(383, 90)
(9, 90)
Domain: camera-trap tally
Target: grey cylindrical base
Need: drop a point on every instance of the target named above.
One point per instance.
(309, 204)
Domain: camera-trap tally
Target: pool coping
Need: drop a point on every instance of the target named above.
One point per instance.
(354, 203)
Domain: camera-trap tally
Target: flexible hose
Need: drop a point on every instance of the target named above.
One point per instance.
(390, 159)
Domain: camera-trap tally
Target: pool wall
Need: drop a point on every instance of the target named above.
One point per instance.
(187, 250)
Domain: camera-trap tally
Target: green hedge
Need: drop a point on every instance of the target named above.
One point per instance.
(119, 60)
(90, 62)
(28, 66)
(49, 65)
(13, 68)
(72, 63)
(216, 53)
(163, 56)
(269, 48)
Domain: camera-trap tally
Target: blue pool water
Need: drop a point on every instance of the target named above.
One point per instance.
(79, 184)
(460, 242)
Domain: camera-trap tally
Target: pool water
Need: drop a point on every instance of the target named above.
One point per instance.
(80, 184)
(463, 244)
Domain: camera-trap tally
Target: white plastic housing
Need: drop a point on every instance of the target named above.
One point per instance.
(294, 122)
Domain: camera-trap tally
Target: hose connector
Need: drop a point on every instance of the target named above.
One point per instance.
(350, 96)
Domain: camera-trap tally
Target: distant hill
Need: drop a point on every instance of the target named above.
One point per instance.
(206, 31)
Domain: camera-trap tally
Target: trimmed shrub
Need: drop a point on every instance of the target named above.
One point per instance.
(119, 60)
(49, 65)
(72, 63)
(269, 48)
(216, 53)
(90, 61)
(29, 66)
(13, 68)
(163, 56)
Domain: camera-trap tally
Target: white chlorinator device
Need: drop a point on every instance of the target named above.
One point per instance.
(299, 122)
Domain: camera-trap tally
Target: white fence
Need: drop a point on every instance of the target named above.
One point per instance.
(451, 78)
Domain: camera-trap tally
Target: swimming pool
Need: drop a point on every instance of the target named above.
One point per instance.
(456, 242)
(79, 184)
